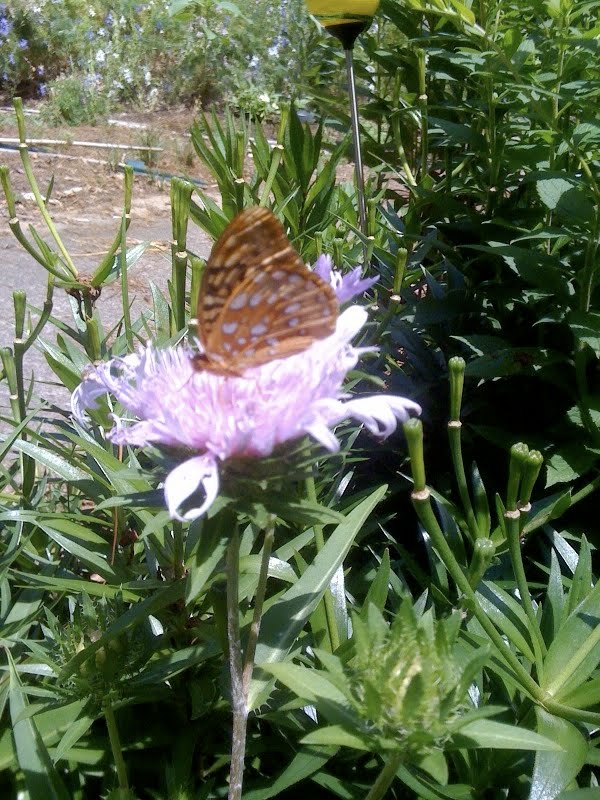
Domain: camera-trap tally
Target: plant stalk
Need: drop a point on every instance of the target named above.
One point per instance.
(115, 745)
(238, 700)
(41, 204)
(334, 638)
(385, 777)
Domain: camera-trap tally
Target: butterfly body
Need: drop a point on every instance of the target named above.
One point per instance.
(258, 301)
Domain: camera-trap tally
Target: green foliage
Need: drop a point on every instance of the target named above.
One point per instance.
(478, 126)
(71, 101)
(153, 53)
(439, 646)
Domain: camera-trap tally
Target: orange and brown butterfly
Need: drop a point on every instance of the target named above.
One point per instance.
(258, 301)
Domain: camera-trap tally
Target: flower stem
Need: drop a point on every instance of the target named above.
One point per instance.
(334, 638)
(238, 700)
(115, 745)
(181, 193)
(454, 438)
(40, 202)
(178, 550)
(259, 601)
(511, 523)
(241, 672)
(125, 286)
(385, 777)
(456, 371)
(422, 504)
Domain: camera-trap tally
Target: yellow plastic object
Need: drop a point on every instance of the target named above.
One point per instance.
(344, 19)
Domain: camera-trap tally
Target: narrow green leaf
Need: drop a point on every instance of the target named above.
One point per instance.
(65, 469)
(73, 734)
(302, 766)
(309, 685)
(337, 736)
(581, 584)
(553, 772)
(41, 777)
(554, 605)
(82, 543)
(499, 736)
(379, 588)
(208, 552)
(507, 615)
(161, 313)
(575, 652)
(284, 620)
(167, 667)
(427, 789)
(585, 327)
(584, 696)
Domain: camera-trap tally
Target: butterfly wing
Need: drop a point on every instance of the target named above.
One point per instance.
(258, 301)
(277, 312)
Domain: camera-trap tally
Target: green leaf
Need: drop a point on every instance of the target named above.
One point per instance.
(161, 313)
(585, 696)
(338, 736)
(587, 133)
(379, 588)
(554, 605)
(582, 583)
(499, 736)
(92, 550)
(208, 551)
(65, 469)
(51, 724)
(167, 667)
(303, 765)
(41, 778)
(551, 189)
(585, 327)
(77, 586)
(72, 735)
(575, 652)
(542, 511)
(426, 789)
(507, 615)
(304, 512)
(309, 685)
(553, 772)
(284, 620)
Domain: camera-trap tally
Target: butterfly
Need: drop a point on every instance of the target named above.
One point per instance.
(258, 301)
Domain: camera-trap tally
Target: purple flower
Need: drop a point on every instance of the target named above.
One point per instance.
(23, 44)
(345, 286)
(5, 26)
(219, 417)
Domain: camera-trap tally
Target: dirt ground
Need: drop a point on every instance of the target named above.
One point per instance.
(86, 206)
(88, 180)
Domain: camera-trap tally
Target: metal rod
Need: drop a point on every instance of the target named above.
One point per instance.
(358, 167)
